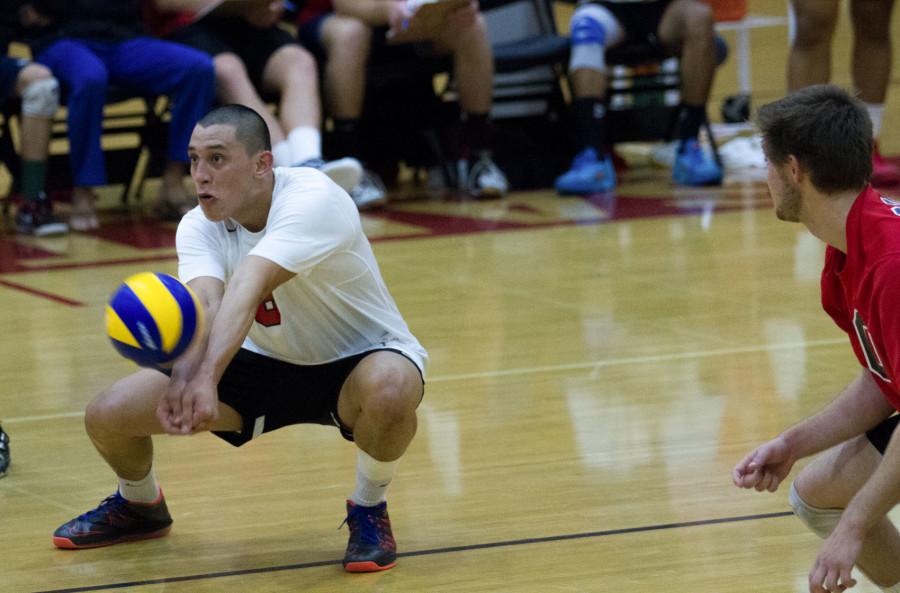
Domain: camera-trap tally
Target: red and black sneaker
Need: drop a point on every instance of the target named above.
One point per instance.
(116, 520)
(371, 547)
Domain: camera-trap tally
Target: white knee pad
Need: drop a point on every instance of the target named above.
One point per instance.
(41, 98)
(594, 28)
(820, 521)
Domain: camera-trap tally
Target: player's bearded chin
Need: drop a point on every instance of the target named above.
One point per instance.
(789, 208)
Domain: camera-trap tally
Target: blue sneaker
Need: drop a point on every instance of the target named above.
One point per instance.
(371, 547)
(116, 520)
(589, 175)
(694, 166)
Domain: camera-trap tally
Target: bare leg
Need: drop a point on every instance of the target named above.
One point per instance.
(379, 401)
(872, 50)
(831, 481)
(233, 85)
(35, 130)
(347, 43)
(121, 420)
(473, 64)
(687, 25)
(809, 61)
(291, 72)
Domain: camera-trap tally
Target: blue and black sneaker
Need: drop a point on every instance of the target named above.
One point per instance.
(695, 166)
(116, 520)
(4, 452)
(589, 174)
(371, 547)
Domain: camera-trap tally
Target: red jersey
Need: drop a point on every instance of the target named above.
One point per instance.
(312, 9)
(861, 289)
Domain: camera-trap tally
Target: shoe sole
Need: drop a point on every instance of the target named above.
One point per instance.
(65, 543)
(367, 566)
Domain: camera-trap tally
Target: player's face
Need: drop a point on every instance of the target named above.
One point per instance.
(222, 171)
(784, 192)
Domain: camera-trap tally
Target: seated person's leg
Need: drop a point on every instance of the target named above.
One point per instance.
(594, 29)
(290, 71)
(687, 26)
(84, 76)
(872, 54)
(163, 68)
(39, 92)
(809, 61)
(465, 36)
(233, 84)
(343, 43)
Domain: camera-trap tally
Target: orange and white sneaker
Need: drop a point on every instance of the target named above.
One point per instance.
(115, 521)
(371, 547)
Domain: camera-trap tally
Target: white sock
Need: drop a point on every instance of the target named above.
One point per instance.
(144, 490)
(372, 479)
(281, 154)
(876, 114)
(305, 143)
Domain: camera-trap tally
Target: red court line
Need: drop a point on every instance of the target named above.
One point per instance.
(46, 295)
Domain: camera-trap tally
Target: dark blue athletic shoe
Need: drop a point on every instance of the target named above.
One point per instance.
(371, 547)
(4, 452)
(116, 520)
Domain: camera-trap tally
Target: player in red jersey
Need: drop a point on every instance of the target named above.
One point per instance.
(818, 142)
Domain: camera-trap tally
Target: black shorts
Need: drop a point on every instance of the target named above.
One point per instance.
(9, 74)
(639, 20)
(253, 46)
(270, 394)
(881, 434)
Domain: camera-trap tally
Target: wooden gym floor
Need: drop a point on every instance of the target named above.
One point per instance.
(598, 366)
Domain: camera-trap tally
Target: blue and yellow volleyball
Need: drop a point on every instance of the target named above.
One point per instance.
(152, 318)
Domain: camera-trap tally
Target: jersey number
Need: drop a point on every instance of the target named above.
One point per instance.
(267, 313)
(865, 340)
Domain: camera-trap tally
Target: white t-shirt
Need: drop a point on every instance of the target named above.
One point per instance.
(336, 306)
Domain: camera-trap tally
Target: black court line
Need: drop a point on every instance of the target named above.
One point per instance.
(447, 550)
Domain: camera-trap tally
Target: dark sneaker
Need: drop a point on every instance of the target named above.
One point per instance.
(4, 452)
(36, 218)
(116, 520)
(371, 547)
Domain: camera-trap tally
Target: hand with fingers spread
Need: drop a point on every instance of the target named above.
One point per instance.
(831, 572)
(765, 467)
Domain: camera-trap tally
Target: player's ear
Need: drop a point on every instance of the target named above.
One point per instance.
(795, 169)
(264, 162)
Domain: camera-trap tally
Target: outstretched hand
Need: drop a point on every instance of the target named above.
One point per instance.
(765, 467)
(832, 571)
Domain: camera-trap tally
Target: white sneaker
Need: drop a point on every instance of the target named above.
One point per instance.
(484, 179)
(370, 192)
(743, 152)
(346, 172)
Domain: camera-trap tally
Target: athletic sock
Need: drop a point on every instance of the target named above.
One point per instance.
(306, 144)
(33, 175)
(145, 490)
(372, 479)
(281, 154)
(876, 114)
(590, 123)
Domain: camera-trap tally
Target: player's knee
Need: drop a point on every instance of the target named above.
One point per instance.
(41, 98)
(352, 36)
(230, 70)
(820, 521)
(590, 35)
(699, 20)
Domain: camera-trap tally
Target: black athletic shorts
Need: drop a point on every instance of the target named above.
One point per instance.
(253, 46)
(270, 394)
(639, 20)
(881, 434)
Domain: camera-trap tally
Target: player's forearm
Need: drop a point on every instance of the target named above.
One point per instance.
(373, 12)
(231, 326)
(858, 408)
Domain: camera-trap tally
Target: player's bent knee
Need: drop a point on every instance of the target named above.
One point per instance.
(41, 98)
(591, 28)
(820, 521)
